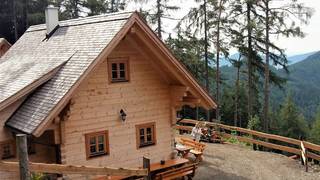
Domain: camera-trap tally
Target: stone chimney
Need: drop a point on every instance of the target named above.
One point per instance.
(52, 19)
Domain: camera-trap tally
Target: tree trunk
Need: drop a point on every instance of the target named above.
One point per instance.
(237, 94)
(217, 63)
(206, 53)
(206, 46)
(112, 6)
(25, 14)
(249, 59)
(267, 73)
(159, 30)
(14, 19)
(76, 9)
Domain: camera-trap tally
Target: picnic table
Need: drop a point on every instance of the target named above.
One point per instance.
(154, 168)
(171, 163)
(183, 150)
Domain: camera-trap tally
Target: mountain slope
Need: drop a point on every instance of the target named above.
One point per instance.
(303, 83)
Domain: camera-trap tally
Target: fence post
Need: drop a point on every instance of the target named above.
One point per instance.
(146, 165)
(22, 150)
(304, 157)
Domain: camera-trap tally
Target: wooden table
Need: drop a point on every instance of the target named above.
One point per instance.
(154, 168)
(168, 164)
(183, 150)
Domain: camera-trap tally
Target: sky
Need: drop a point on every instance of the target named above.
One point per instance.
(293, 46)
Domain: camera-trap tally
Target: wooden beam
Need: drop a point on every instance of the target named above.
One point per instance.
(191, 100)
(73, 169)
(265, 144)
(312, 146)
(23, 156)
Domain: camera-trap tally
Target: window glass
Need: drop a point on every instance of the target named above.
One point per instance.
(141, 131)
(7, 150)
(93, 149)
(114, 67)
(122, 66)
(122, 74)
(101, 147)
(92, 140)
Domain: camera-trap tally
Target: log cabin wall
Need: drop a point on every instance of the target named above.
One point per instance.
(95, 107)
(5, 136)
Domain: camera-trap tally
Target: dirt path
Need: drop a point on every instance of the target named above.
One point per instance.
(234, 162)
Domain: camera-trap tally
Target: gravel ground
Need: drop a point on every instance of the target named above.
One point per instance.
(235, 162)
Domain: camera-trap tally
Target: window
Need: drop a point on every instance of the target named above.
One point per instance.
(97, 144)
(7, 149)
(118, 70)
(146, 135)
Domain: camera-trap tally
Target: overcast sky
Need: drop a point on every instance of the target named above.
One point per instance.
(292, 45)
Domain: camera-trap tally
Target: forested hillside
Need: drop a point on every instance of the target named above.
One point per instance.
(302, 83)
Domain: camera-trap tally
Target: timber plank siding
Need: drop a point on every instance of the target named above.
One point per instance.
(96, 105)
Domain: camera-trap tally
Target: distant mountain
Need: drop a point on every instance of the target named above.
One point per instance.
(297, 58)
(303, 82)
(291, 59)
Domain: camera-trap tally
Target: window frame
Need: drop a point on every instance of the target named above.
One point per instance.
(119, 60)
(12, 144)
(96, 135)
(144, 126)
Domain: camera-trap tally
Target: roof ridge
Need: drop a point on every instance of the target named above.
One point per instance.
(79, 21)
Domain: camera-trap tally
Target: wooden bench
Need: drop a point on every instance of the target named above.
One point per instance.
(185, 171)
(197, 148)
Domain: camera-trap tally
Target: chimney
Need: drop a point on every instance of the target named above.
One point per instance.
(52, 19)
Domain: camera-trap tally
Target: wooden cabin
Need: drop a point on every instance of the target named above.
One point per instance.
(101, 91)
(4, 46)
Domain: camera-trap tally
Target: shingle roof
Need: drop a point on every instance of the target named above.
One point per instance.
(78, 42)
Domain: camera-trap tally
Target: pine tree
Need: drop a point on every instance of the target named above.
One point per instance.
(161, 10)
(292, 122)
(315, 131)
(189, 50)
(237, 64)
(278, 21)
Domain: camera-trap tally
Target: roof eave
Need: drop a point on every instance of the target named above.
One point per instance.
(31, 87)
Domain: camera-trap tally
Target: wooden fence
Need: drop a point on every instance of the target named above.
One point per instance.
(291, 145)
(73, 169)
(24, 167)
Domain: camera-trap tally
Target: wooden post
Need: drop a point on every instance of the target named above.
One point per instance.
(146, 165)
(304, 156)
(22, 150)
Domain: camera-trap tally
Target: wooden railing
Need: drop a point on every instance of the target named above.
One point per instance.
(73, 169)
(291, 145)
(24, 166)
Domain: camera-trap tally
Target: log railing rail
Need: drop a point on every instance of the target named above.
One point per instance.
(293, 150)
(73, 169)
(24, 166)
